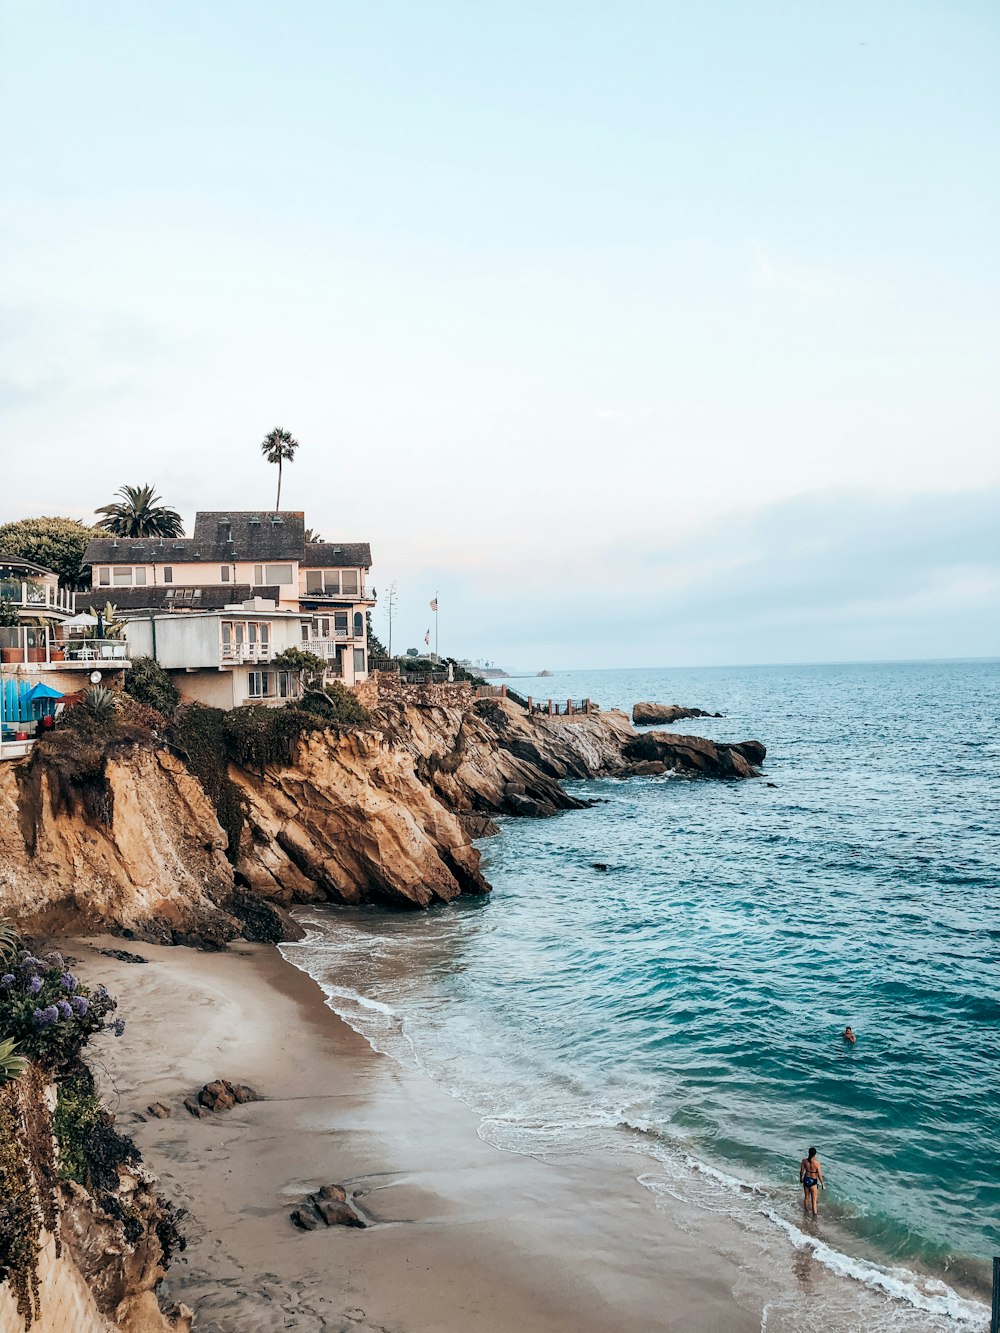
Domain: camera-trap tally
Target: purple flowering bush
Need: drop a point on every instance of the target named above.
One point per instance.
(48, 1011)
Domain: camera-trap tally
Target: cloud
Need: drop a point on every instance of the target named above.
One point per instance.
(817, 578)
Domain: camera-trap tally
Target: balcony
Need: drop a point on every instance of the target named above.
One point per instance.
(26, 645)
(37, 597)
(235, 654)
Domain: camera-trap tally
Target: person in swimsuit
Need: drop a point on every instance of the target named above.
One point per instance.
(810, 1178)
(849, 1034)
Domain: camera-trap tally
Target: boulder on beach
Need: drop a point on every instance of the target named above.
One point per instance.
(693, 754)
(646, 713)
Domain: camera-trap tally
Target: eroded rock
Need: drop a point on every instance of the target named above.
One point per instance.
(645, 713)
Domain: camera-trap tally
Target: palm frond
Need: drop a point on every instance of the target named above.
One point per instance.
(10, 941)
(11, 1065)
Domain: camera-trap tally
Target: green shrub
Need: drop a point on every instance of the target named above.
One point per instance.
(335, 704)
(99, 703)
(147, 682)
(90, 1150)
(202, 733)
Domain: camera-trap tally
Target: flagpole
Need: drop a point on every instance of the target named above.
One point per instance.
(436, 625)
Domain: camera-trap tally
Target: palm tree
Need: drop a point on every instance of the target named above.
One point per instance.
(311, 536)
(138, 514)
(276, 448)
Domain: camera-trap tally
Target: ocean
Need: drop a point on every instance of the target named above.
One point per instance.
(688, 999)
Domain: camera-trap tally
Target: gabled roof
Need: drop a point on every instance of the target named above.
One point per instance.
(224, 536)
(172, 597)
(336, 555)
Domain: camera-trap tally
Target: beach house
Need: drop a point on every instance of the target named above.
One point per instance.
(235, 560)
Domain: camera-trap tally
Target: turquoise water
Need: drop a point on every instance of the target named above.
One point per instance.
(695, 990)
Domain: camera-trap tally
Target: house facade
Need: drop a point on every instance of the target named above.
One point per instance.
(234, 557)
(224, 657)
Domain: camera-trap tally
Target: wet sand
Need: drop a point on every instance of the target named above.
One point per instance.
(464, 1238)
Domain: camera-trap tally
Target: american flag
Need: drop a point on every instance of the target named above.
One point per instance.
(434, 604)
(427, 638)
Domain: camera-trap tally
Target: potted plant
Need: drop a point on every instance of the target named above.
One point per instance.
(9, 619)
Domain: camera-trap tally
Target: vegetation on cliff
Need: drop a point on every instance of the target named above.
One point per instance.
(51, 1016)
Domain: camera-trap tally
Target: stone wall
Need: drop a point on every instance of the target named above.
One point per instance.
(388, 686)
(66, 1302)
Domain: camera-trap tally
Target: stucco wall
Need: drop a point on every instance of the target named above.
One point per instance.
(214, 688)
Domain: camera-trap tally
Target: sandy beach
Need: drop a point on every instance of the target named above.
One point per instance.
(464, 1238)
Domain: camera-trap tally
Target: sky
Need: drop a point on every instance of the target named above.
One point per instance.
(643, 334)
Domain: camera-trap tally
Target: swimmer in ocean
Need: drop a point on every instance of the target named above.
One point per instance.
(811, 1178)
(849, 1034)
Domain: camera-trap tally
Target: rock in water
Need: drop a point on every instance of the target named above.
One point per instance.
(644, 714)
(694, 754)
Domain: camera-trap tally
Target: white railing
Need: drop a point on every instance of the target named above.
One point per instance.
(37, 596)
(328, 647)
(233, 654)
(37, 645)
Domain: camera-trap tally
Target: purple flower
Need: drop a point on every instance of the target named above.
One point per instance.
(34, 985)
(7, 980)
(79, 1004)
(119, 1026)
(101, 994)
(29, 963)
(65, 1009)
(67, 981)
(44, 1018)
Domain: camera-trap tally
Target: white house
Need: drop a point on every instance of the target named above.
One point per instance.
(223, 657)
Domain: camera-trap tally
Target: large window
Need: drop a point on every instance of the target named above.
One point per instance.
(333, 582)
(270, 685)
(267, 574)
(121, 576)
(359, 661)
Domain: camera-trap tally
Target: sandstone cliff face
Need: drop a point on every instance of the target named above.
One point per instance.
(385, 813)
(149, 848)
(382, 813)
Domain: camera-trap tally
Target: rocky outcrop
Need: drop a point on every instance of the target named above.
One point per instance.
(645, 714)
(134, 846)
(387, 812)
(328, 1207)
(660, 752)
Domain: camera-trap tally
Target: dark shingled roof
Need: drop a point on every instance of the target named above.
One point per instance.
(336, 555)
(225, 536)
(173, 597)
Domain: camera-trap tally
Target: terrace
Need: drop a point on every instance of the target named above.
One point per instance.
(53, 646)
(34, 590)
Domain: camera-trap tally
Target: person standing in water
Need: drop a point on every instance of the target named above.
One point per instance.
(810, 1178)
(849, 1034)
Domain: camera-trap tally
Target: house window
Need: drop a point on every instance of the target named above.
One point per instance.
(304, 632)
(349, 582)
(256, 681)
(121, 576)
(140, 576)
(224, 574)
(359, 625)
(269, 684)
(168, 573)
(278, 573)
(104, 577)
(314, 582)
(359, 661)
(340, 624)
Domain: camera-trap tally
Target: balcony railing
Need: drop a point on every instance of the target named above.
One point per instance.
(38, 646)
(36, 596)
(233, 654)
(328, 647)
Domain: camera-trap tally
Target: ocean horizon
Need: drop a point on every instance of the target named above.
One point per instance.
(671, 971)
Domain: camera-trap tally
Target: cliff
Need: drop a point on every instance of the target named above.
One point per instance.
(385, 812)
